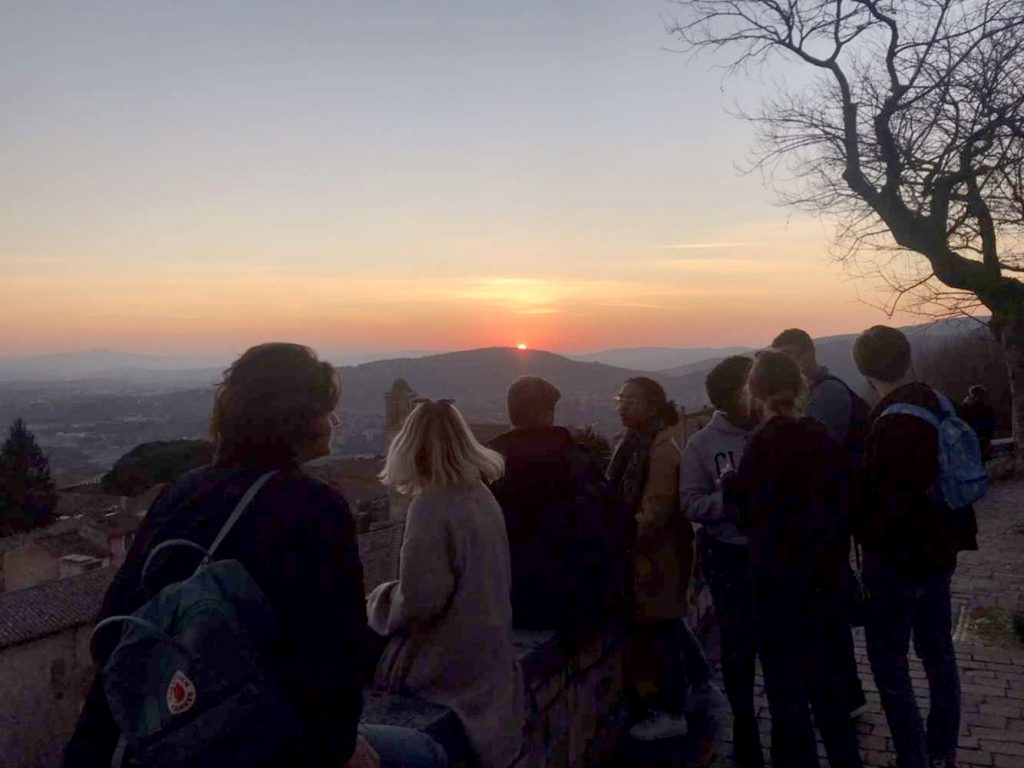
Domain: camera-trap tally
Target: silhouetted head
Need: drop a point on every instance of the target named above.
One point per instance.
(775, 384)
(978, 393)
(436, 449)
(882, 354)
(798, 344)
(725, 385)
(642, 400)
(531, 402)
(274, 407)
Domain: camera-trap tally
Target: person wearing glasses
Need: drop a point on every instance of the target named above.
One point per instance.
(667, 668)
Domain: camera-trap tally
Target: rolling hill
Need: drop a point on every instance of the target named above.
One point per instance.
(478, 379)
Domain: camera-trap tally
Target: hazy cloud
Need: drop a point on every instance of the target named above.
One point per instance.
(701, 246)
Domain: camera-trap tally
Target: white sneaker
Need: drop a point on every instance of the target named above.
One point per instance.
(705, 698)
(659, 725)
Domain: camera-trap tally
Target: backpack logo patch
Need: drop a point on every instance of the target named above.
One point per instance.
(181, 694)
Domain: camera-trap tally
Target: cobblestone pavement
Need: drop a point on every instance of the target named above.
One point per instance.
(988, 589)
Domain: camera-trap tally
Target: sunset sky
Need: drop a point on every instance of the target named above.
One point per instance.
(195, 177)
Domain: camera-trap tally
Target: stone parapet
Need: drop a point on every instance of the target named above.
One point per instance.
(575, 704)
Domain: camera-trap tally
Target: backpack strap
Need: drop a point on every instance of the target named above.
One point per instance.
(145, 624)
(249, 495)
(948, 409)
(117, 759)
(237, 513)
(906, 409)
(161, 546)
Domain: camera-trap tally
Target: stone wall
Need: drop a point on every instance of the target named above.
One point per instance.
(43, 685)
(28, 566)
(576, 710)
(576, 714)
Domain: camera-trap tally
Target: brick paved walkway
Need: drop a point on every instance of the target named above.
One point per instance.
(988, 589)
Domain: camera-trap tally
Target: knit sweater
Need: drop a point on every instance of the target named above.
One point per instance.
(449, 618)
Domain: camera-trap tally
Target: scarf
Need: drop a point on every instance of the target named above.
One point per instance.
(627, 469)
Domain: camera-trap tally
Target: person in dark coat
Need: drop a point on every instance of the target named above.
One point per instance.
(297, 540)
(788, 490)
(977, 411)
(844, 414)
(910, 541)
(568, 534)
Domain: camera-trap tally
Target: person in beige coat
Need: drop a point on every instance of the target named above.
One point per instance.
(666, 667)
(448, 616)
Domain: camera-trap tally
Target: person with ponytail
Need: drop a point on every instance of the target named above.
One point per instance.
(667, 669)
(788, 493)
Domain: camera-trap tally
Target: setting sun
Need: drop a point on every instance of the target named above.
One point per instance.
(521, 346)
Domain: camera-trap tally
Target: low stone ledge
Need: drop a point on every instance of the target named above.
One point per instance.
(575, 713)
(438, 722)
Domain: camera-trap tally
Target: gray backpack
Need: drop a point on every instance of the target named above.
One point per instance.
(188, 684)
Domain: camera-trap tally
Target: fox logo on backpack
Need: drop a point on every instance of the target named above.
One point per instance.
(188, 684)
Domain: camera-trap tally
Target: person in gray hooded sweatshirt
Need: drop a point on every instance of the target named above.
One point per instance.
(723, 553)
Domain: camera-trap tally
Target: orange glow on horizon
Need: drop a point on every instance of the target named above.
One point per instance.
(521, 346)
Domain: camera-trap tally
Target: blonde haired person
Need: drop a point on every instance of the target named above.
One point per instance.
(789, 493)
(273, 411)
(449, 613)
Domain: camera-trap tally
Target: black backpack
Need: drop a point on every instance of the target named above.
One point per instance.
(859, 427)
(188, 683)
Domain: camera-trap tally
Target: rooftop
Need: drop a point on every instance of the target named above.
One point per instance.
(69, 543)
(49, 608)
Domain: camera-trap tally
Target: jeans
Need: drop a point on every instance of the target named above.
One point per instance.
(403, 747)
(726, 568)
(796, 630)
(843, 653)
(678, 661)
(902, 607)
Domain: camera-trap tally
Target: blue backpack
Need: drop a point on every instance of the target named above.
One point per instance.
(187, 684)
(963, 479)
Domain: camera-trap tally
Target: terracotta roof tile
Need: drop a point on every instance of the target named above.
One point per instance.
(52, 607)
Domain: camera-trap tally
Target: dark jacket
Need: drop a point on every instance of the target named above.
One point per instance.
(297, 540)
(568, 537)
(905, 525)
(789, 494)
(982, 418)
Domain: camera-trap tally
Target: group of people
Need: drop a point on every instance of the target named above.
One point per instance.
(540, 530)
(793, 463)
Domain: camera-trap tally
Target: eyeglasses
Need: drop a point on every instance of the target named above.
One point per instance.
(626, 399)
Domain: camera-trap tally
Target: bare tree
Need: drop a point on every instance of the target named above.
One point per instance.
(911, 136)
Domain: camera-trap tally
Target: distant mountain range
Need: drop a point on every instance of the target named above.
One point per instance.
(150, 369)
(658, 358)
(478, 379)
(106, 363)
(199, 370)
(89, 408)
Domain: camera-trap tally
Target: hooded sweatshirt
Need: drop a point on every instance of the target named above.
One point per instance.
(707, 454)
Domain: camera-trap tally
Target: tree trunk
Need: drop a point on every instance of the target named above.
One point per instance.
(1010, 332)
